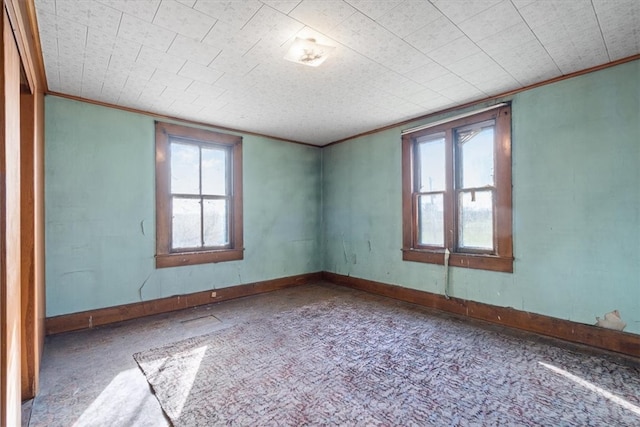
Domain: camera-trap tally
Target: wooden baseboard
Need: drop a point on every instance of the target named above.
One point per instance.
(620, 342)
(104, 316)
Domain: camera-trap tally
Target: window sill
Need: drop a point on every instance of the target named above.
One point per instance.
(193, 258)
(480, 262)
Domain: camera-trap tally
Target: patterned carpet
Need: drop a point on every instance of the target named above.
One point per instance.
(365, 363)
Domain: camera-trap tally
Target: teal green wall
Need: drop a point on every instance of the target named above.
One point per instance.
(100, 214)
(576, 174)
(576, 201)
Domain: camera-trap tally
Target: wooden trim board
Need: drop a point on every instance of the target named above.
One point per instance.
(620, 342)
(28, 243)
(10, 230)
(105, 316)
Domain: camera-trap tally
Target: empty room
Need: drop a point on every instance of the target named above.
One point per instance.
(308, 212)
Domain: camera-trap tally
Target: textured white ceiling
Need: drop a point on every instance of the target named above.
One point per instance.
(221, 62)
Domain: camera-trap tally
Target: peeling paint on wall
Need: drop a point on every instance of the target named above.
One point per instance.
(142, 286)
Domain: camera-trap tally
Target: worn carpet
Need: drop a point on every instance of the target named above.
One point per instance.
(367, 363)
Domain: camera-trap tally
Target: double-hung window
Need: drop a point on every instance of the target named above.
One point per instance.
(198, 196)
(457, 192)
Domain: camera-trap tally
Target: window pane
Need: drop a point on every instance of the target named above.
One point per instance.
(185, 224)
(431, 166)
(431, 220)
(215, 223)
(185, 171)
(214, 175)
(476, 155)
(476, 220)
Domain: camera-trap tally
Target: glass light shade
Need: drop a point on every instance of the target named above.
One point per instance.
(308, 52)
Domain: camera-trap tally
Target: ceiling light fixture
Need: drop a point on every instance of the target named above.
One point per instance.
(308, 52)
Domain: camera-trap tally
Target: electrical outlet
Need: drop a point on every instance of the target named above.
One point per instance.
(213, 294)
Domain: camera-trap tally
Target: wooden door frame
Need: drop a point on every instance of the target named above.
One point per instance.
(10, 231)
(27, 309)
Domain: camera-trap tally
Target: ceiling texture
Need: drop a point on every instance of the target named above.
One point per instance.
(221, 62)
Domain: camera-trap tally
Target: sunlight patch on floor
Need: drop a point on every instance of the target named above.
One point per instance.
(107, 408)
(590, 386)
(189, 374)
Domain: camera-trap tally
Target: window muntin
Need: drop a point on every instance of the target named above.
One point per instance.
(457, 192)
(198, 196)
